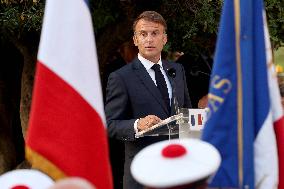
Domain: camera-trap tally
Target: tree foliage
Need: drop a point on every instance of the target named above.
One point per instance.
(18, 18)
(275, 16)
(193, 24)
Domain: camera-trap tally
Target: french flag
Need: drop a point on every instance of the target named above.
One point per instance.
(67, 133)
(245, 121)
(275, 107)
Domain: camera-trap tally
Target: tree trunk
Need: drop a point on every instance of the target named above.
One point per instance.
(11, 137)
(29, 54)
(26, 89)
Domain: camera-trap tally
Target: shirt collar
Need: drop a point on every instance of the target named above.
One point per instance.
(147, 63)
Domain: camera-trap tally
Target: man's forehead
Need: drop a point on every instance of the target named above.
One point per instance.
(145, 25)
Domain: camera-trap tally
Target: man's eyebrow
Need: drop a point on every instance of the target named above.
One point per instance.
(156, 30)
(139, 31)
(150, 31)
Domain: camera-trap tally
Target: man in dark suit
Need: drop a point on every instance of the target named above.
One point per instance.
(140, 94)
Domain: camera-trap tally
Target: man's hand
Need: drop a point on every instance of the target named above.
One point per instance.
(147, 122)
(203, 102)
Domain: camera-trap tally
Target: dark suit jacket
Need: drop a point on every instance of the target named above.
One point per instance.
(132, 94)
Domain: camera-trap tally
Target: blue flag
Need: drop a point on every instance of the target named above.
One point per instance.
(240, 120)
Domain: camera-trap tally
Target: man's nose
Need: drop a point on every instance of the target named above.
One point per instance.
(149, 38)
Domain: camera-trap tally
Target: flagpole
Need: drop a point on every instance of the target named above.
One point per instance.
(239, 92)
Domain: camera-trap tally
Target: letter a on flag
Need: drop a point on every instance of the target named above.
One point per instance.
(67, 134)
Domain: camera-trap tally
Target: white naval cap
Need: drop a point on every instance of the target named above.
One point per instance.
(25, 179)
(174, 163)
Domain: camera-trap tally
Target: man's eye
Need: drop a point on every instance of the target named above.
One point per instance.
(144, 34)
(154, 34)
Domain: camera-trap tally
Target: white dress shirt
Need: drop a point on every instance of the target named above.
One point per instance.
(148, 65)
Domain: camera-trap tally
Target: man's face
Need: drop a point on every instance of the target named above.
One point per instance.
(150, 39)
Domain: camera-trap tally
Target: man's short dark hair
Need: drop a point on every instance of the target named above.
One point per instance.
(151, 16)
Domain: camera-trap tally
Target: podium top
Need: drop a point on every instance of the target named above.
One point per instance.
(158, 125)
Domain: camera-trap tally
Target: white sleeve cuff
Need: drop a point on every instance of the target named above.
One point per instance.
(135, 126)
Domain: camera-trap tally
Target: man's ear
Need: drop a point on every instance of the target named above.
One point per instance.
(135, 40)
(165, 39)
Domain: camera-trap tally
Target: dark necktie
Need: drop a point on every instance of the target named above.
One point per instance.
(161, 84)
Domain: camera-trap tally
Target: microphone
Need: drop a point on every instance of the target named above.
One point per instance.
(172, 73)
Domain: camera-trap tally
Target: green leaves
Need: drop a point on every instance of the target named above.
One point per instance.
(192, 24)
(275, 16)
(19, 17)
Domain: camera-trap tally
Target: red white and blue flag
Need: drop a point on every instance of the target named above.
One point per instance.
(246, 118)
(67, 134)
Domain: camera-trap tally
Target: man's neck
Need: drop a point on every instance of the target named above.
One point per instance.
(153, 60)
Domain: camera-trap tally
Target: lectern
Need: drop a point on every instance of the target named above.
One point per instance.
(188, 123)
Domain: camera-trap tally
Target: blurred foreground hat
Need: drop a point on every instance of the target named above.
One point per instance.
(25, 179)
(169, 164)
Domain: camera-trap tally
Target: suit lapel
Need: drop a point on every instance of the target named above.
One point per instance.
(167, 65)
(145, 78)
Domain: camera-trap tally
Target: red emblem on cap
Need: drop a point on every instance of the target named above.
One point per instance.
(20, 187)
(173, 151)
